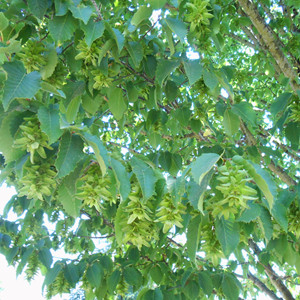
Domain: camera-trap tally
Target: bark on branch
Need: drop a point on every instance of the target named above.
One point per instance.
(269, 38)
(274, 278)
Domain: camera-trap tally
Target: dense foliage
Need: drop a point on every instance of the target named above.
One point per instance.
(153, 146)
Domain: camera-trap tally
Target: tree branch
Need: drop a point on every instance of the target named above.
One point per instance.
(273, 45)
(274, 278)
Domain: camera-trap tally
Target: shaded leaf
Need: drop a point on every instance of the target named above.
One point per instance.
(38, 7)
(95, 274)
(164, 69)
(231, 122)
(193, 70)
(92, 31)
(45, 257)
(81, 12)
(193, 237)
(140, 15)
(116, 102)
(18, 83)
(178, 27)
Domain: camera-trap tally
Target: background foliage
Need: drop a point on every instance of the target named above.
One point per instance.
(156, 143)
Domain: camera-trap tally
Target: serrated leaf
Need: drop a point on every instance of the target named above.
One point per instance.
(3, 21)
(136, 52)
(113, 280)
(205, 282)
(116, 102)
(153, 295)
(202, 165)
(231, 123)
(62, 28)
(45, 257)
(52, 274)
(140, 15)
(228, 234)
(73, 90)
(99, 150)
(133, 276)
(245, 111)
(119, 222)
(92, 31)
(279, 212)
(156, 274)
(38, 7)
(157, 4)
(71, 272)
(49, 68)
(116, 35)
(122, 178)
(193, 70)
(7, 138)
(250, 213)
(280, 103)
(145, 176)
(95, 274)
(230, 288)
(72, 109)
(183, 115)
(164, 69)
(81, 12)
(178, 27)
(49, 119)
(210, 79)
(266, 223)
(193, 237)
(18, 83)
(69, 154)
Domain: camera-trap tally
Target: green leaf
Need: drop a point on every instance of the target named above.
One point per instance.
(136, 52)
(266, 223)
(70, 152)
(157, 4)
(280, 103)
(49, 119)
(292, 132)
(92, 31)
(140, 15)
(95, 274)
(210, 79)
(153, 295)
(164, 69)
(62, 28)
(193, 237)
(145, 176)
(119, 222)
(245, 111)
(61, 7)
(230, 287)
(71, 272)
(38, 7)
(156, 274)
(116, 35)
(13, 47)
(116, 102)
(193, 70)
(81, 12)
(72, 109)
(18, 83)
(133, 276)
(113, 280)
(73, 90)
(231, 123)
(192, 289)
(49, 68)
(261, 178)
(52, 273)
(279, 212)
(227, 232)
(122, 178)
(3, 21)
(45, 257)
(251, 213)
(202, 165)
(7, 138)
(99, 150)
(205, 282)
(178, 27)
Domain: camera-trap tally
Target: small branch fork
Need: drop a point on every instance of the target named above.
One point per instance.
(98, 10)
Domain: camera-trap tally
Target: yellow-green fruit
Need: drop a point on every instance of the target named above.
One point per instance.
(139, 228)
(32, 139)
(94, 189)
(88, 54)
(38, 182)
(100, 80)
(236, 193)
(32, 56)
(169, 214)
(294, 220)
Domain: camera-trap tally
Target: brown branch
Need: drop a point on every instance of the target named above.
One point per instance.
(97, 10)
(251, 141)
(242, 41)
(273, 44)
(274, 278)
(96, 237)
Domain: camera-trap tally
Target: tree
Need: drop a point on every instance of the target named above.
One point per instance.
(156, 143)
